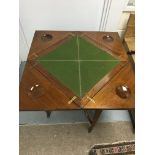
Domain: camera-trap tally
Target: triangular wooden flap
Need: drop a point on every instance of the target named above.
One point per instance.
(45, 41)
(108, 41)
(38, 93)
(108, 98)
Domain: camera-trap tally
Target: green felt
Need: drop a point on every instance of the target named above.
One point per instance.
(90, 52)
(71, 64)
(92, 72)
(65, 72)
(66, 51)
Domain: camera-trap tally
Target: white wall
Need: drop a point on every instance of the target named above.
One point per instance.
(115, 13)
(80, 15)
(58, 15)
(23, 46)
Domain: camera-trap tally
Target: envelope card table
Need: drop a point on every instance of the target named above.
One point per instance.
(77, 71)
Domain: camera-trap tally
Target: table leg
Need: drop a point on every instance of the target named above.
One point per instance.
(132, 117)
(95, 119)
(88, 116)
(48, 113)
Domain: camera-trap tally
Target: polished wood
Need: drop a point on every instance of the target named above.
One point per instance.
(92, 92)
(57, 84)
(123, 91)
(114, 48)
(130, 33)
(40, 91)
(102, 83)
(38, 73)
(39, 47)
(49, 97)
(107, 98)
(131, 44)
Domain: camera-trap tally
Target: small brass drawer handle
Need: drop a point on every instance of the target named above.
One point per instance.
(46, 37)
(123, 91)
(108, 38)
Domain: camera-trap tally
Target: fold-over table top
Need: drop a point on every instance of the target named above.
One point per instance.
(79, 66)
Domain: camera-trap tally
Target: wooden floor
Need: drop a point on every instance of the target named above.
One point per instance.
(70, 139)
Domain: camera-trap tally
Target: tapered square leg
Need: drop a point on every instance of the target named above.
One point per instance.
(94, 120)
(132, 117)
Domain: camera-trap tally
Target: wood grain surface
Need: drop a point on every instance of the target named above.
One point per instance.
(107, 98)
(130, 33)
(48, 97)
(39, 90)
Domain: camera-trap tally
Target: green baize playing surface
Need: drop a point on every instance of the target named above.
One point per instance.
(78, 64)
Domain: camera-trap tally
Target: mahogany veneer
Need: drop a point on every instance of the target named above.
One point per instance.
(42, 90)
